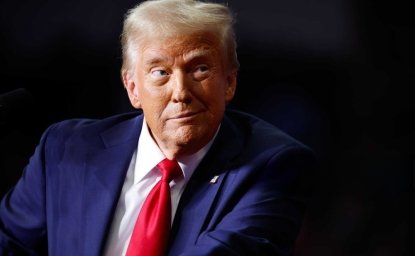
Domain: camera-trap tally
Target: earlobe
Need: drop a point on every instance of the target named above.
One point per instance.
(131, 88)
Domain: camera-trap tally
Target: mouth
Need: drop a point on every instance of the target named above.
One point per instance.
(186, 115)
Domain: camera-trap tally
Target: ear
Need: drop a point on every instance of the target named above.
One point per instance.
(131, 88)
(231, 88)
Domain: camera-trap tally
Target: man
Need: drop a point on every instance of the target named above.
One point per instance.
(242, 183)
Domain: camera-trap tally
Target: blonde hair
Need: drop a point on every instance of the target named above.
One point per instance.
(169, 18)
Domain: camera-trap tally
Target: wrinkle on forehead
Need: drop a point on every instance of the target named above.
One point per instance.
(187, 48)
(155, 56)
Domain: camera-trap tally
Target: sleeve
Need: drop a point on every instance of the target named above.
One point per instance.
(23, 208)
(269, 209)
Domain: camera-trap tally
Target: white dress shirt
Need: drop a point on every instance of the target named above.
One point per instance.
(140, 179)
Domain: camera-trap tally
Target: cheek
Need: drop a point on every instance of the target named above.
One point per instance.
(153, 100)
(215, 94)
(152, 109)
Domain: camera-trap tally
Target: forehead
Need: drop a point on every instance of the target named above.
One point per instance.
(186, 46)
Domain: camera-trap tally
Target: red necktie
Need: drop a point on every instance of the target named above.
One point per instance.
(151, 231)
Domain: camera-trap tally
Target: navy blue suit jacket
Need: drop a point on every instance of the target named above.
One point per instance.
(65, 200)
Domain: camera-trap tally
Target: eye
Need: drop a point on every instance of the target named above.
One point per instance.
(201, 72)
(201, 69)
(159, 73)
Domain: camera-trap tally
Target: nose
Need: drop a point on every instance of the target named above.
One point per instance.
(181, 88)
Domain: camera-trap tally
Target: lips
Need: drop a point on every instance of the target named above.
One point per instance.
(186, 115)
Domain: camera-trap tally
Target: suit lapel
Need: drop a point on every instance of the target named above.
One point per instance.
(198, 200)
(106, 167)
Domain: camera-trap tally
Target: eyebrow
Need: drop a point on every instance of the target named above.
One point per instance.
(198, 53)
(188, 57)
(155, 60)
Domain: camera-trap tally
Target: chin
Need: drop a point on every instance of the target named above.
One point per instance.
(191, 143)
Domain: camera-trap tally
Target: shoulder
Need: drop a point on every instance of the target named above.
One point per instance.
(261, 133)
(87, 123)
(88, 128)
(262, 143)
(270, 152)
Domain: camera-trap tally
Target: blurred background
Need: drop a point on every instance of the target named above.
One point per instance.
(335, 74)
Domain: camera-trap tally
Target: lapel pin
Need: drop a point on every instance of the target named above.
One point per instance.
(214, 179)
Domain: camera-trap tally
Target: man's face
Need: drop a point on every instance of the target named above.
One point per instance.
(182, 84)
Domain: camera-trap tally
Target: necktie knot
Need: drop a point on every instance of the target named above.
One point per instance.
(170, 170)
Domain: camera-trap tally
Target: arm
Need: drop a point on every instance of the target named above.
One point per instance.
(22, 210)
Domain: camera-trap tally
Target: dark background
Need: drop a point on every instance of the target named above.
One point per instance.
(335, 74)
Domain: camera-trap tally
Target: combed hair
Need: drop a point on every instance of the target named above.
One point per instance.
(170, 18)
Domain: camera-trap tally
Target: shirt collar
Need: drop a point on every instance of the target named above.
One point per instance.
(149, 155)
